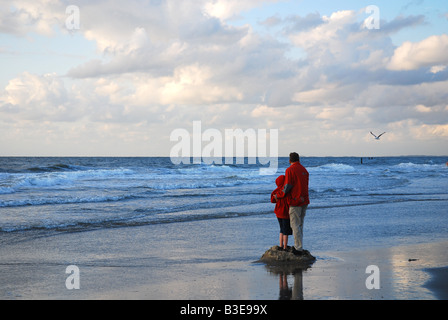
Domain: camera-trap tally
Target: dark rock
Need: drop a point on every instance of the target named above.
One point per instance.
(276, 256)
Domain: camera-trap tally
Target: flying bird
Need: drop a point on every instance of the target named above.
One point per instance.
(377, 137)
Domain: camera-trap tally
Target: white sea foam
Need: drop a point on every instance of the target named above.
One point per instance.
(155, 191)
(62, 200)
(14, 182)
(420, 166)
(7, 190)
(336, 167)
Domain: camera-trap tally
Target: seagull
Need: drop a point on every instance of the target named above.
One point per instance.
(377, 137)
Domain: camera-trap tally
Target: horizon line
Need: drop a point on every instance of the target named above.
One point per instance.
(245, 157)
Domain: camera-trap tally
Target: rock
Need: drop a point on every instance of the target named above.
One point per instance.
(276, 256)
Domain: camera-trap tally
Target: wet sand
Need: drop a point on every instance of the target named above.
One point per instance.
(439, 282)
(180, 261)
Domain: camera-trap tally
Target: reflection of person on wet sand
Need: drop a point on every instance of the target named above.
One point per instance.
(297, 290)
(285, 291)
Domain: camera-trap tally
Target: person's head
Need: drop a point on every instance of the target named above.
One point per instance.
(280, 181)
(294, 157)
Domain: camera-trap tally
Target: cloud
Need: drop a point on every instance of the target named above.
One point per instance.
(162, 64)
(299, 23)
(36, 97)
(326, 30)
(26, 16)
(402, 22)
(206, 62)
(426, 53)
(227, 9)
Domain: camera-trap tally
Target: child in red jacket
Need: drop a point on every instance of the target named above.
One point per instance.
(282, 212)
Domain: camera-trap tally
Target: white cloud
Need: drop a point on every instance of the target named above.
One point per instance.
(325, 35)
(226, 9)
(426, 53)
(437, 69)
(37, 97)
(25, 16)
(422, 108)
(192, 85)
(163, 64)
(427, 132)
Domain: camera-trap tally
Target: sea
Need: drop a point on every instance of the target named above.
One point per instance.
(49, 195)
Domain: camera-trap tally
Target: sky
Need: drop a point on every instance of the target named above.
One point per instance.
(116, 78)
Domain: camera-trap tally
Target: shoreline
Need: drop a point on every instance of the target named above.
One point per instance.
(438, 282)
(176, 264)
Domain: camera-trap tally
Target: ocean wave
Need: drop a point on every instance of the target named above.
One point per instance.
(334, 167)
(202, 183)
(67, 226)
(236, 177)
(16, 181)
(195, 185)
(56, 168)
(52, 201)
(333, 190)
(7, 190)
(201, 169)
(54, 195)
(140, 218)
(420, 166)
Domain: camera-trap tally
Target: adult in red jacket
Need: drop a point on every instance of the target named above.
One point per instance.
(296, 187)
(282, 212)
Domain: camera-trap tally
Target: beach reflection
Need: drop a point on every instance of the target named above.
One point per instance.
(288, 290)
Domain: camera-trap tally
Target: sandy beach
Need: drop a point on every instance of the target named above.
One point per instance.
(199, 261)
(439, 282)
(142, 146)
